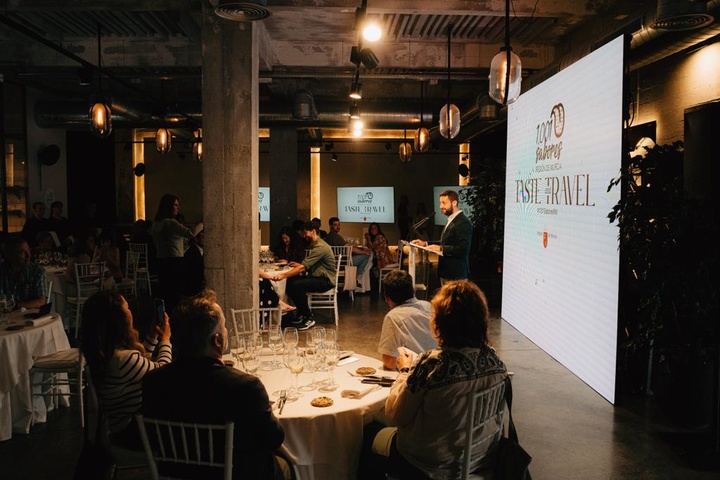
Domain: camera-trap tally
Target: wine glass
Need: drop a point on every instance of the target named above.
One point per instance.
(5, 307)
(251, 355)
(237, 348)
(295, 362)
(331, 336)
(290, 338)
(275, 341)
(330, 353)
(313, 359)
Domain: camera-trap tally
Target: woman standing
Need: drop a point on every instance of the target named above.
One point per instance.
(118, 361)
(375, 240)
(168, 236)
(428, 401)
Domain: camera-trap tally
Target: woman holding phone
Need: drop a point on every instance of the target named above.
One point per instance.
(118, 360)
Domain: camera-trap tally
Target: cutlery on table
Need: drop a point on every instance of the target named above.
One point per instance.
(374, 377)
(281, 401)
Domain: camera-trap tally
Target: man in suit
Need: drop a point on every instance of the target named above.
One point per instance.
(454, 243)
(199, 387)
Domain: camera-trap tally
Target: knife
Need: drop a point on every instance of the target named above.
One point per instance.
(378, 381)
(281, 403)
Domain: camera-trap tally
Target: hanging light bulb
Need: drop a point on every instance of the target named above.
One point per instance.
(163, 140)
(405, 149)
(505, 69)
(422, 135)
(100, 114)
(449, 113)
(198, 146)
(100, 120)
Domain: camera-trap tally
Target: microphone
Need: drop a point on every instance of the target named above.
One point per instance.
(421, 222)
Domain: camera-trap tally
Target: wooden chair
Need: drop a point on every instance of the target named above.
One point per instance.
(327, 299)
(88, 281)
(345, 282)
(58, 375)
(182, 443)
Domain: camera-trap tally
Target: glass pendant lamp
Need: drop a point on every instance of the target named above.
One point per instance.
(163, 140)
(449, 113)
(100, 114)
(505, 69)
(422, 134)
(405, 149)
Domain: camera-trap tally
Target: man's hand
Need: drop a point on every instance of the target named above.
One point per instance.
(422, 243)
(434, 248)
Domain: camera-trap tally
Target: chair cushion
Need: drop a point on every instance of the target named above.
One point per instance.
(63, 359)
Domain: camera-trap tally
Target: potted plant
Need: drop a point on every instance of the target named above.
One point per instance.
(669, 285)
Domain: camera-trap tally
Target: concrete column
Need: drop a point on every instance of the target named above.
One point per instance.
(283, 179)
(230, 159)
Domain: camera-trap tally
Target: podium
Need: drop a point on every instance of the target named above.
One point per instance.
(412, 255)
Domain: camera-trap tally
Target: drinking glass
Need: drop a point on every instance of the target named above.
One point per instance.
(313, 359)
(237, 348)
(251, 356)
(275, 341)
(331, 336)
(6, 306)
(290, 338)
(330, 353)
(295, 362)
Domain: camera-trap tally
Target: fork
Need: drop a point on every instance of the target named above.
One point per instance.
(281, 401)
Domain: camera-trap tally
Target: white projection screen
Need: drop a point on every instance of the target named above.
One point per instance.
(561, 262)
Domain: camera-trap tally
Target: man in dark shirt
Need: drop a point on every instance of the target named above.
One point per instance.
(35, 224)
(198, 387)
(20, 276)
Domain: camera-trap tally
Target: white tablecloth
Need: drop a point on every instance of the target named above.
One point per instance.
(18, 411)
(272, 269)
(59, 290)
(325, 443)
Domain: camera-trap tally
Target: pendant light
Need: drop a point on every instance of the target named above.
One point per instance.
(505, 69)
(100, 113)
(405, 150)
(449, 113)
(422, 135)
(163, 137)
(198, 146)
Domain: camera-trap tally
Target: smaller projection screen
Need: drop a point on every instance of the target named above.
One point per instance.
(366, 204)
(441, 219)
(264, 203)
(561, 261)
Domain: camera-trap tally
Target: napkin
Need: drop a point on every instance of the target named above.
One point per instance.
(36, 322)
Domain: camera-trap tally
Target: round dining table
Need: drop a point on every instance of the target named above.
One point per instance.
(324, 443)
(20, 343)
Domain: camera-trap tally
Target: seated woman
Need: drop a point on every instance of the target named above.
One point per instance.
(109, 253)
(428, 402)
(290, 247)
(118, 361)
(375, 240)
(82, 251)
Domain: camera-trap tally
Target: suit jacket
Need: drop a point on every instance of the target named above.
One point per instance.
(455, 241)
(204, 390)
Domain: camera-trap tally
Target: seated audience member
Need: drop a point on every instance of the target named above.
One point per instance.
(118, 361)
(290, 247)
(375, 240)
(298, 225)
(45, 246)
(199, 387)
(109, 253)
(407, 324)
(35, 224)
(82, 251)
(319, 265)
(428, 401)
(322, 232)
(360, 255)
(20, 276)
(59, 224)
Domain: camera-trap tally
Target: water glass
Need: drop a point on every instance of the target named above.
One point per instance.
(330, 353)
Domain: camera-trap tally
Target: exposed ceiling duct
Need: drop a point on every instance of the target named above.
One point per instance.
(249, 11)
(676, 15)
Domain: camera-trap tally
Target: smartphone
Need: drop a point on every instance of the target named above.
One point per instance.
(160, 311)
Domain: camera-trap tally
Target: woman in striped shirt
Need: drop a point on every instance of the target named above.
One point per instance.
(118, 360)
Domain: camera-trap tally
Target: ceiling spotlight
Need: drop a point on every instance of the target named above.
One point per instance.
(371, 31)
(334, 157)
(356, 87)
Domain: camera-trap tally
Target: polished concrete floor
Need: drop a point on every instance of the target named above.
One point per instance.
(570, 430)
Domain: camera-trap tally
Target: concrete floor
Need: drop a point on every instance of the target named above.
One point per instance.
(570, 430)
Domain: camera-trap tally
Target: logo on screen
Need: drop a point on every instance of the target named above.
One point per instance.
(365, 197)
(261, 195)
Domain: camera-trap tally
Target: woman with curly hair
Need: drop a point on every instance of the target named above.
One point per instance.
(118, 360)
(428, 401)
(376, 241)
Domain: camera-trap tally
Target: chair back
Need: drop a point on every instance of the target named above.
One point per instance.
(89, 278)
(183, 443)
(142, 250)
(345, 254)
(246, 321)
(48, 290)
(327, 299)
(483, 425)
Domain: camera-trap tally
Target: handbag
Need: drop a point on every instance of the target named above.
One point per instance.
(511, 460)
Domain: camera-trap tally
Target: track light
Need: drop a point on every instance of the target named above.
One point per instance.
(334, 157)
(371, 31)
(356, 87)
(355, 111)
